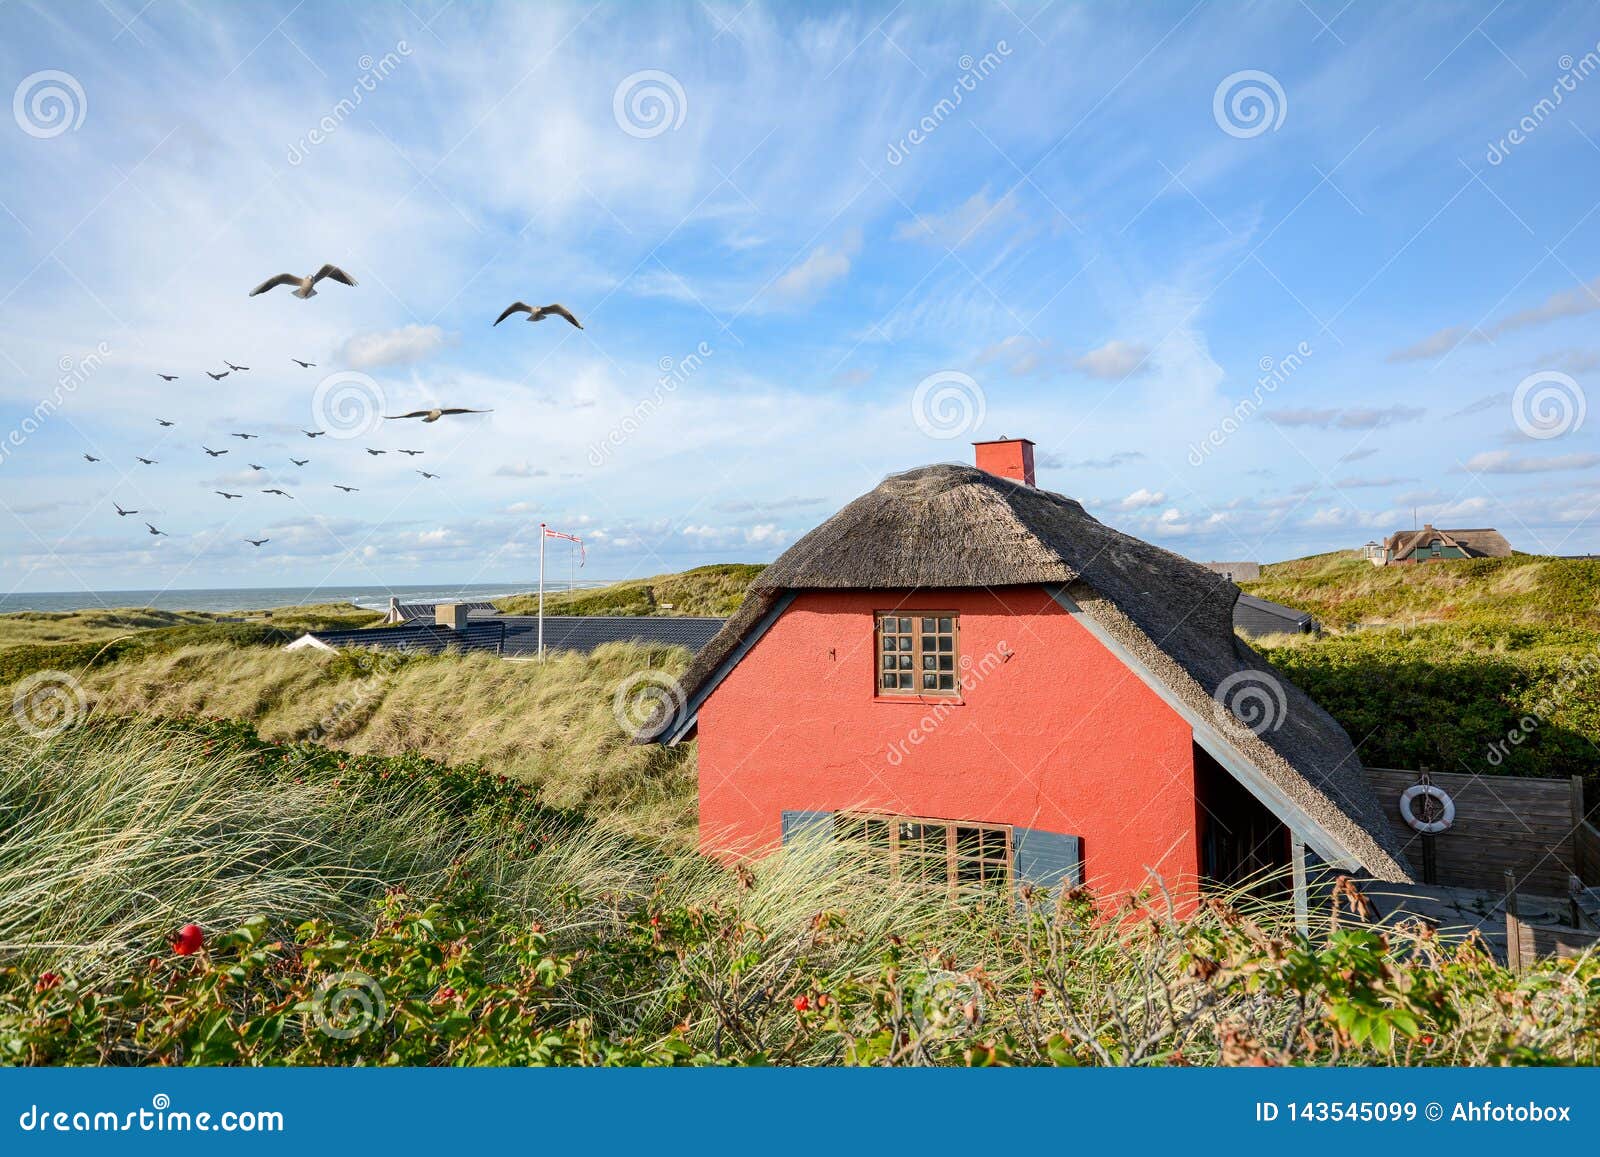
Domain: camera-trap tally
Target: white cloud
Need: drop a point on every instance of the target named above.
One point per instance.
(822, 267)
(1502, 462)
(1114, 360)
(406, 345)
(522, 469)
(960, 224)
(1354, 418)
(1140, 499)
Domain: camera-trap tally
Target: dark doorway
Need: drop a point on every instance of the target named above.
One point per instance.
(1242, 844)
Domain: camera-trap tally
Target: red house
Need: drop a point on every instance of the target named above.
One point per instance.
(983, 682)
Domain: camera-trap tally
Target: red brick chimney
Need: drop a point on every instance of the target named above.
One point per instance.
(1008, 457)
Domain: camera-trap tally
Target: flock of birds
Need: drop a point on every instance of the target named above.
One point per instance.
(305, 288)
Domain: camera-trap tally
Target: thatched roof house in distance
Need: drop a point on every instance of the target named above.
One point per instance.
(980, 679)
(1430, 543)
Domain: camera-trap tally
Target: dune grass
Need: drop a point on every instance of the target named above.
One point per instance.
(51, 628)
(552, 725)
(716, 590)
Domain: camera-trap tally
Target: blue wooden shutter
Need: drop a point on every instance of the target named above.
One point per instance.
(807, 825)
(1046, 859)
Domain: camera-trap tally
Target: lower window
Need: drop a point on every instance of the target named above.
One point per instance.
(959, 855)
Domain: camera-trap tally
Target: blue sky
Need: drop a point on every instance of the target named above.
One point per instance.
(802, 263)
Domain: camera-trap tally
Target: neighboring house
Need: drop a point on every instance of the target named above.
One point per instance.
(1430, 543)
(455, 628)
(1257, 617)
(1235, 572)
(400, 612)
(981, 682)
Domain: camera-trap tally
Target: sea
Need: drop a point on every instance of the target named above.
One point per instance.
(266, 598)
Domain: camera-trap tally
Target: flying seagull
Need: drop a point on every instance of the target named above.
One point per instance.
(413, 453)
(299, 461)
(313, 433)
(148, 461)
(538, 313)
(153, 530)
(90, 458)
(164, 422)
(124, 513)
(256, 542)
(225, 494)
(307, 286)
(231, 366)
(246, 437)
(375, 453)
(304, 366)
(346, 489)
(285, 493)
(216, 377)
(213, 453)
(425, 474)
(167, 377)
(253, 466)
(435, 414)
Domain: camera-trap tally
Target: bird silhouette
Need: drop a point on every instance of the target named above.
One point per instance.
(216, 377)
(167, 377)
(245, 437)
(124, 513)
(148, 461)
(299, 461)
(313, 433)
(253, 466)
(90, 458)
(213, 453)
(153, 530)
(304, 365)
(425, 474)
(538, 313)
(285, 493)
(231, 366)
(435, 414)
(413, 453)
(375, 453)
(346, 489)
(306, 286)
(256, 542)
(164, 422)
(225, 494)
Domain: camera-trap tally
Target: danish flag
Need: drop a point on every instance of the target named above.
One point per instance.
(583, 555)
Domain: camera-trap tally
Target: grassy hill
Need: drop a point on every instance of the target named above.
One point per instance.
(1434, 665)
(715, 590)
(1343, 590)
(52, 628)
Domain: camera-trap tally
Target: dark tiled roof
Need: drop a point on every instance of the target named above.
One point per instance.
(1255, 617)
(424, 612)
(519, 634)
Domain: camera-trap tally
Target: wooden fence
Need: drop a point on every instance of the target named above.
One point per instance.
(1526, 941)
(1534, 828)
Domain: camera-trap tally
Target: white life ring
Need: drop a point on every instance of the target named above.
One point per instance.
(1412, 793)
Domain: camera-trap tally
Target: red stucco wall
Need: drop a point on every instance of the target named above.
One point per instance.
(1061, 736)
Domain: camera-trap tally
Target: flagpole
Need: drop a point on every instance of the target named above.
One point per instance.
(541, 590)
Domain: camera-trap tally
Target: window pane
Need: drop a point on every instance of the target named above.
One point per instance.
(930, 682)
(905, 626)
(944, 625)
(927, 626)
(946, 643)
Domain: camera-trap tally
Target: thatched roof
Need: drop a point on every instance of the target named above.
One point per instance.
(1482, 542)
(957, 526)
